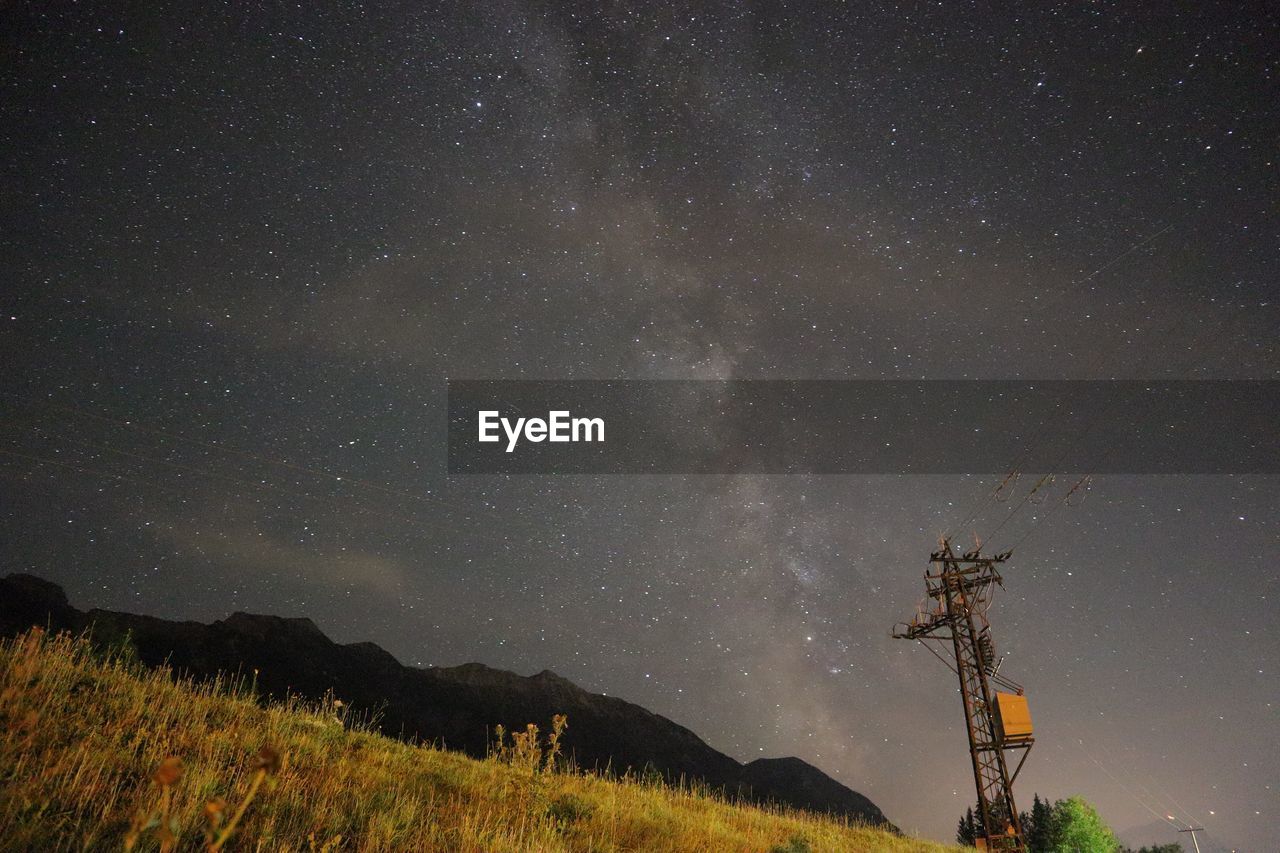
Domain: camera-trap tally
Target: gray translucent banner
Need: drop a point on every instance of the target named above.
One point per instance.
(863, 427)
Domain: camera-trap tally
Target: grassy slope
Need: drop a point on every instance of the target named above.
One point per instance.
(82, 738)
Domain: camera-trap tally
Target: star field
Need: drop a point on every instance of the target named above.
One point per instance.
(244, 245)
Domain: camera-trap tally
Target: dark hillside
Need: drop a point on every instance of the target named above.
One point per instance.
(456, 706)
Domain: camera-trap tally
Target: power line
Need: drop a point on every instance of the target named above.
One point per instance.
(1118, 258)
(1095, 420)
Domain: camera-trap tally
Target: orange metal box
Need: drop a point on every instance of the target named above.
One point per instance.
(1013, 715)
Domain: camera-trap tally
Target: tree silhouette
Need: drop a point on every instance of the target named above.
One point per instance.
(1066, 826)
(969, 829)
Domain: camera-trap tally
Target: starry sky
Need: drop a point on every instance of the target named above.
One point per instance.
(244, 245)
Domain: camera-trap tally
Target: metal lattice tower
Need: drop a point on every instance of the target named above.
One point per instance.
(959, 591)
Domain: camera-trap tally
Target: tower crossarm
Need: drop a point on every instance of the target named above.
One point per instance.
(959, 588)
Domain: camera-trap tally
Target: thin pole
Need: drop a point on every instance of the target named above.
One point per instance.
(1193, 830)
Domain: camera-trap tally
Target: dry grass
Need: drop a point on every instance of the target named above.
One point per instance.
(100, 754)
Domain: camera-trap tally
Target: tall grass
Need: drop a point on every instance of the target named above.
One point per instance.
(100, 754)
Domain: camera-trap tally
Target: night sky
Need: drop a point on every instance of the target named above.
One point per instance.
(244, 245)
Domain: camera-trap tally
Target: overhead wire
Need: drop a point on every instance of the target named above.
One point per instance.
(1167, 803)
(82, 468)
(1013, 473)
(948, 664)
(1086, 480)
(1118, 258)
(1014, 469)
(1142, 802)
(1145, 802)
(1064, 501)
(1180, 806)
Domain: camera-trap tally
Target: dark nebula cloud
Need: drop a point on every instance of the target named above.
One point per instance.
(244, 245)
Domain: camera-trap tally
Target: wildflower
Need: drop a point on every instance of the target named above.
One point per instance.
(267, 760)
(215, 812)
(169, 771)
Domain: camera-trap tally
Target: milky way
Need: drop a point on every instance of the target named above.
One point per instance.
(244, 246)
